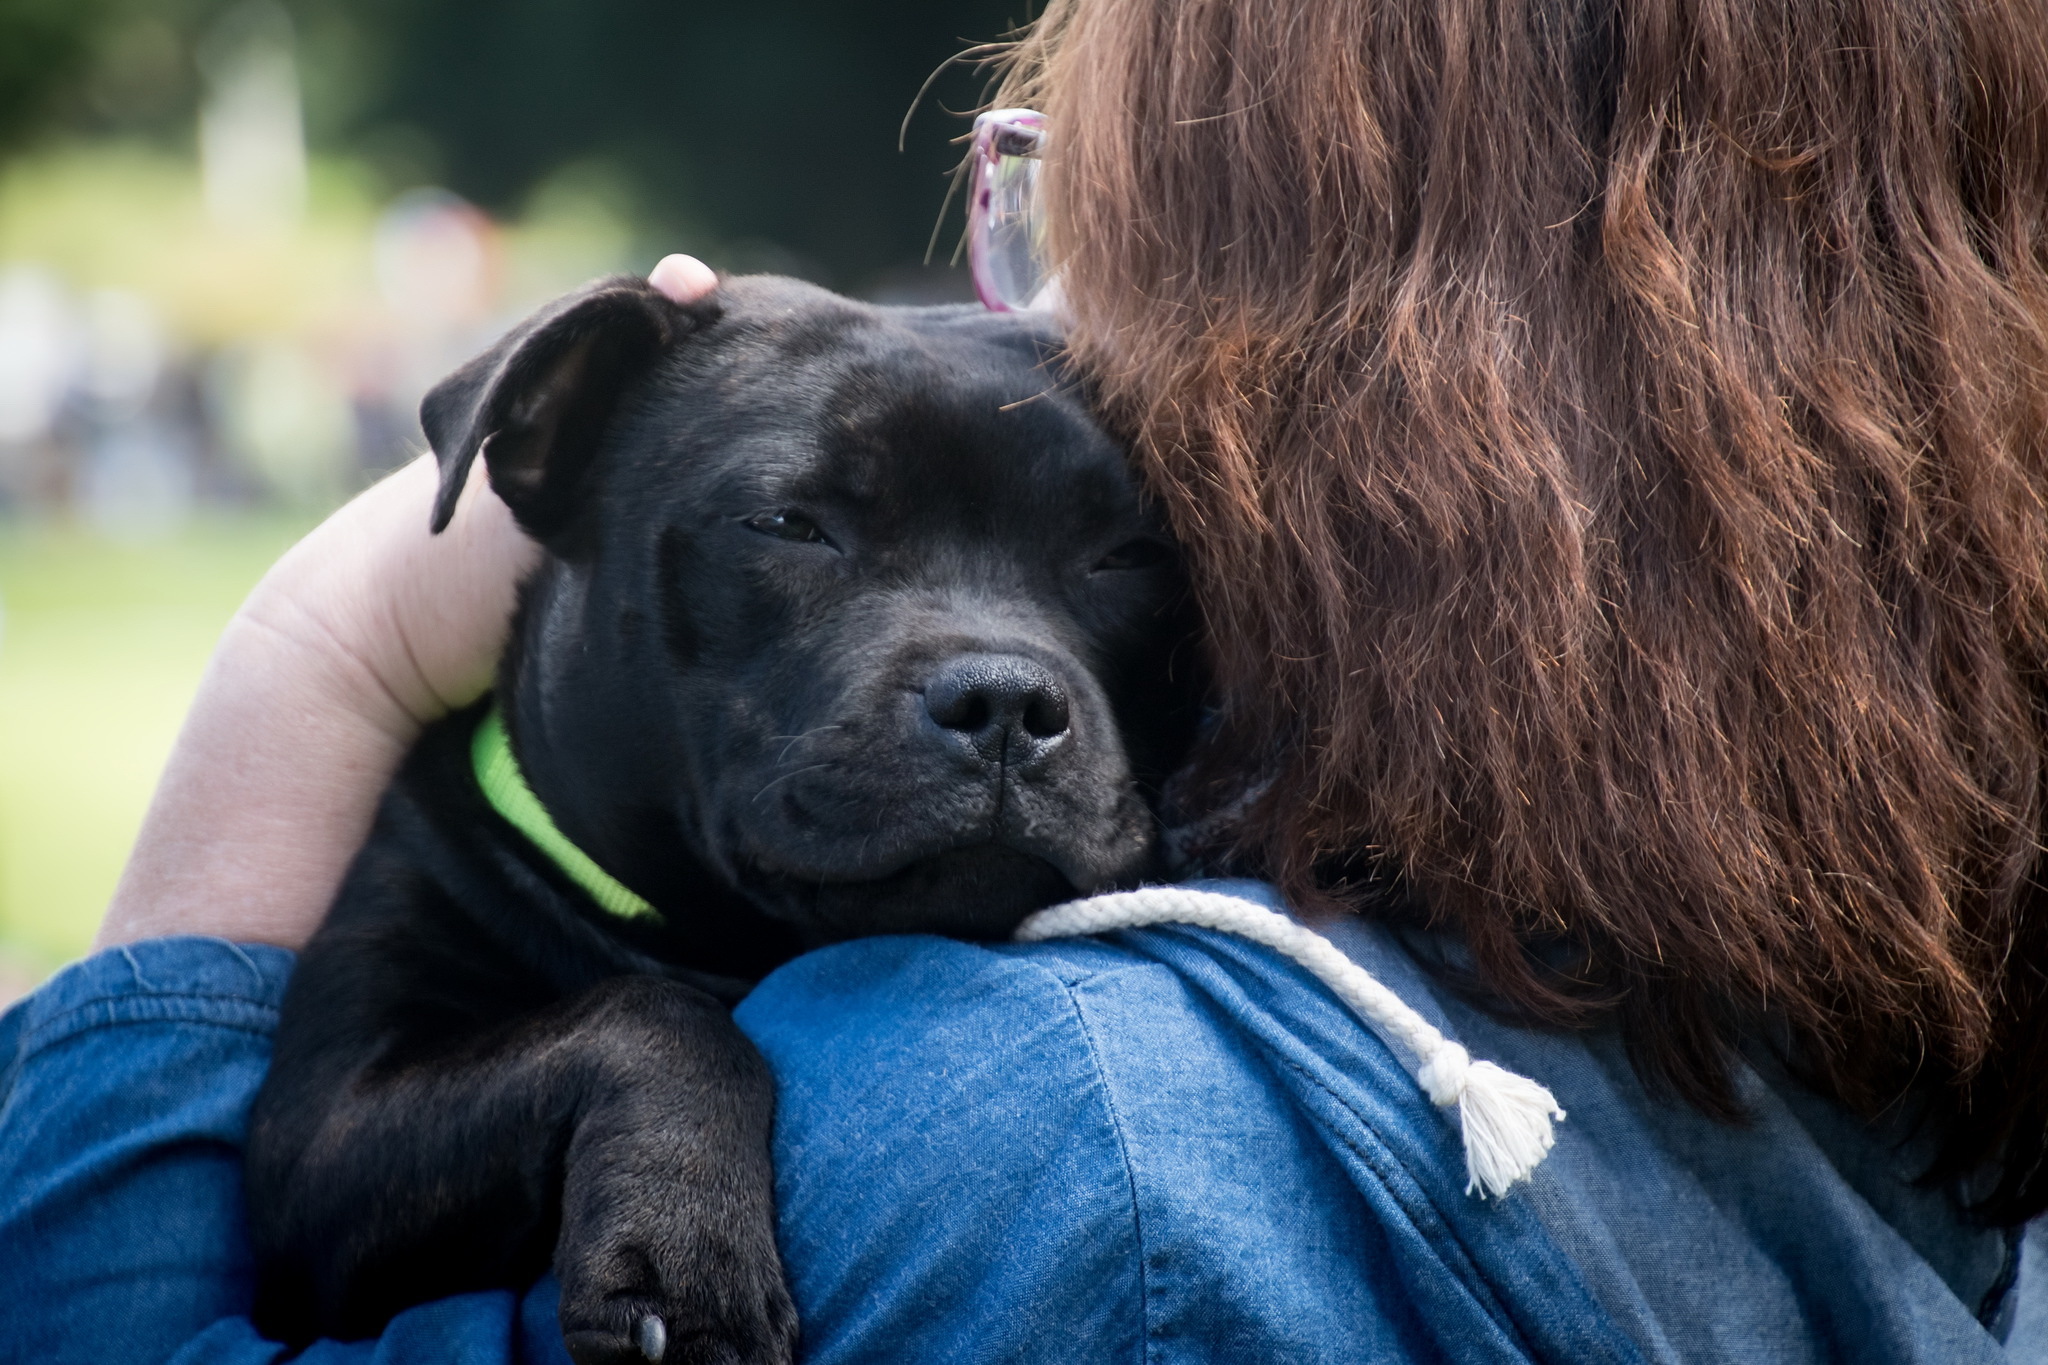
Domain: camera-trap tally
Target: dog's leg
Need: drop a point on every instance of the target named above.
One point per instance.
(636, 1108)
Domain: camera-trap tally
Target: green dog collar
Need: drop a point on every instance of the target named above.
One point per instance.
(504, 786)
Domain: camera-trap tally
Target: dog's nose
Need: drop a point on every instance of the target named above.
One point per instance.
(1004, 709)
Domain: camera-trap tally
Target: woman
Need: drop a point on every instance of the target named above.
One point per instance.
(1608, 441)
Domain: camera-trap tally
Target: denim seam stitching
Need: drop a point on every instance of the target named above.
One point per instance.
(143, 1005)
(63, 1028)
(1086, 978)
(1468, 1274)
(1116, 1124)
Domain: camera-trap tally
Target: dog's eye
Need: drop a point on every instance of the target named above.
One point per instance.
(1143, 553)
(786, 525)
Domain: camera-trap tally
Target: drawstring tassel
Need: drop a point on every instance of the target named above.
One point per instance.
(1505, 1119)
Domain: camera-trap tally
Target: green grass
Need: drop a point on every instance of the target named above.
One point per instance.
(101, 646)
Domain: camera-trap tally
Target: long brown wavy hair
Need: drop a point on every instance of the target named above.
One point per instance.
(1608, 437)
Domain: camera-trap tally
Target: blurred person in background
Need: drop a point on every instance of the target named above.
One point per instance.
(1608, 441)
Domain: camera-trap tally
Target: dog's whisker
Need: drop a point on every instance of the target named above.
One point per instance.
(799, 772)
(795, 740)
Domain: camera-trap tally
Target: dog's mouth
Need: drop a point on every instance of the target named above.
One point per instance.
(982, 891)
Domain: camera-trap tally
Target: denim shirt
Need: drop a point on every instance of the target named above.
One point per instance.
(1167, 1145)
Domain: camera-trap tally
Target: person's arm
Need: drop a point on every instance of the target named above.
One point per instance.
(124, 1086)
(125, 1081)
(363, 633)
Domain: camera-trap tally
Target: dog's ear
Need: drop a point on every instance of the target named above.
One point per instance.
(537, 402)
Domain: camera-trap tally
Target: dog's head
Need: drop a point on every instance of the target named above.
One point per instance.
(856, 606)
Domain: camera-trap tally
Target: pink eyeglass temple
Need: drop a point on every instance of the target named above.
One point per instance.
(998, 133)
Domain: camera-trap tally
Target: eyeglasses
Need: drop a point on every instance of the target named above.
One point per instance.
(1005, 231)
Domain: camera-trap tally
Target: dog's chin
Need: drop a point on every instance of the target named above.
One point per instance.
(980, 892)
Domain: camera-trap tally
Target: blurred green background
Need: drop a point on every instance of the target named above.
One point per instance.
(239, 238)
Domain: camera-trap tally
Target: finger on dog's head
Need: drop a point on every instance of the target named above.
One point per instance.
(684, 279)
(536, 401)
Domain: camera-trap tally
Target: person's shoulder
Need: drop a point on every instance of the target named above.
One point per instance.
(1137, 1131)
(1169, 1144)
(948, 1156)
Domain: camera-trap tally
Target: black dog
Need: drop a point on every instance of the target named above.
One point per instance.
(852, 621)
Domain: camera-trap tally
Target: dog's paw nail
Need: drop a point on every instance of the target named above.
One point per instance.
(651, 1336)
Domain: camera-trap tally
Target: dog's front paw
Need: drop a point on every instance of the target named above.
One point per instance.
(667, 1246)
(683, 1295)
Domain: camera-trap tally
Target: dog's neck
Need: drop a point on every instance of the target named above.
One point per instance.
(504, 786)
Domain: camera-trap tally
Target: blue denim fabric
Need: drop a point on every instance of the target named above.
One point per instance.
(1175, 1148)
(2027, 1343)
(1165, 1146)
(1798, 1236)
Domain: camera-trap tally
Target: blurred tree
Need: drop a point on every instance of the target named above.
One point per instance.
(775, 121)
(46, 47)
(764, 134)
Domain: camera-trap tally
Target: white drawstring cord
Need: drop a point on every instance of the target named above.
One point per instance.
(1506, 1119)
